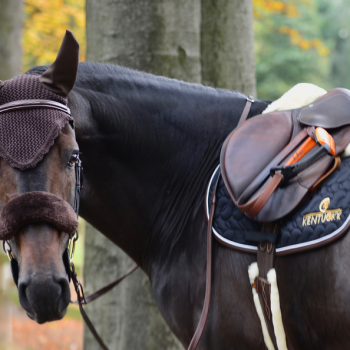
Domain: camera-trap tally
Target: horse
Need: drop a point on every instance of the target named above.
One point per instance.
(149, 146)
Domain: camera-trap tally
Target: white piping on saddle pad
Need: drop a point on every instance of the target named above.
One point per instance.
(276, 311)
(253, 272)
(299, 96)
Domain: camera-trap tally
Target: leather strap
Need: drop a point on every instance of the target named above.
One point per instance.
(242, 204)
(29, 104)
(336, 165)
(246, 110)
(266, 194)
(91, 326)
(81, 299)
(107, 288)
(266, 261)
(204, 316)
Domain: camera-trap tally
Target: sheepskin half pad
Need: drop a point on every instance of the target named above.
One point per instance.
(36, 207)
(26, 135)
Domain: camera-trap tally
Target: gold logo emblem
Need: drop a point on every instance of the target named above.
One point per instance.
(323, 215)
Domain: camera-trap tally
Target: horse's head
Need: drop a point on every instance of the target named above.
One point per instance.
(38, 182)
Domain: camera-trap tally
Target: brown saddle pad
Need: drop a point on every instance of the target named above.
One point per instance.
(269, 140)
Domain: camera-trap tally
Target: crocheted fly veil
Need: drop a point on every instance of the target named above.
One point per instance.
(27, 133)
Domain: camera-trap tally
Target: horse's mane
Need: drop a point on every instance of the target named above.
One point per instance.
(101, 70)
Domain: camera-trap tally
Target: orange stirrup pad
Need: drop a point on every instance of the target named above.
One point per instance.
(306, 147)
(323, 137)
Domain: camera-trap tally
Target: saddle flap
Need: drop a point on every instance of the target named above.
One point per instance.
(330, 111)
(249, 148)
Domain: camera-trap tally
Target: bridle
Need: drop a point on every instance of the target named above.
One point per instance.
(68, 254)
(30, 104)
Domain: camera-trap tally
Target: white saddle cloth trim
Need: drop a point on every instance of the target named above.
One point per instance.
(253, 272)
(276, 311)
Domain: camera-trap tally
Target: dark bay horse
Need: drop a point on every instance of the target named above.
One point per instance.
(149, 146)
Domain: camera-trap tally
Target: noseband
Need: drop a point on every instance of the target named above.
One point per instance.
(40, 206)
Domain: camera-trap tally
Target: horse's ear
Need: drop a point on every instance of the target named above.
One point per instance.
(60, 76)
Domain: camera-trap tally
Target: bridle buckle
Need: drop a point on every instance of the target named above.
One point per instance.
(8, 250)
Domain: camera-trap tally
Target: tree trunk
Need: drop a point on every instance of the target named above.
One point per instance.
(227, 45)
(127, 317)
(10, 65)
(160, 37)
(10, 38)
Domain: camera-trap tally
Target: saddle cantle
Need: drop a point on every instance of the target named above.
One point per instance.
(269, 140)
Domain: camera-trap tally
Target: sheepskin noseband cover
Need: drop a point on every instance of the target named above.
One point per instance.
(26, 135)
(36, 207)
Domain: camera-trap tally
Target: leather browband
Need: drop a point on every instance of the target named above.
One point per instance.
(28, 104)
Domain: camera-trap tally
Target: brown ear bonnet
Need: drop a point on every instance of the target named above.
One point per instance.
(26, 135)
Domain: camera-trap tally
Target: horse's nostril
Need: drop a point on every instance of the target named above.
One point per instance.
(65, 293)
(22, 294)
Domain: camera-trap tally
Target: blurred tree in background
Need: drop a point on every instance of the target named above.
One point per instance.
(290, 46)
(301, 41)
(10, 38)
(227, 45)
(295, 40)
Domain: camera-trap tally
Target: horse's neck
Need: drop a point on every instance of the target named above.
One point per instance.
(147, 163)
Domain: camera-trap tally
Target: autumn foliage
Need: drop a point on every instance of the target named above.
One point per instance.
(263, 8)
(44, 26)
(46, 21)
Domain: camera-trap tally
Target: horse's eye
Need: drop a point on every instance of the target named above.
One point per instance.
(73, 159)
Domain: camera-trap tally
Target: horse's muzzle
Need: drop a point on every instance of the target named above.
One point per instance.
(36, 206)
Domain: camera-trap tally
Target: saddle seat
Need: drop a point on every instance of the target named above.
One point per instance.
(269, 140)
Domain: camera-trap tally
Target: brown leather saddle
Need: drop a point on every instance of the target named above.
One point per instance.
(254, 155)
(256, 168)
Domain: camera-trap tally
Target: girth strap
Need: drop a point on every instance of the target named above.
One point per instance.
(266, 262)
